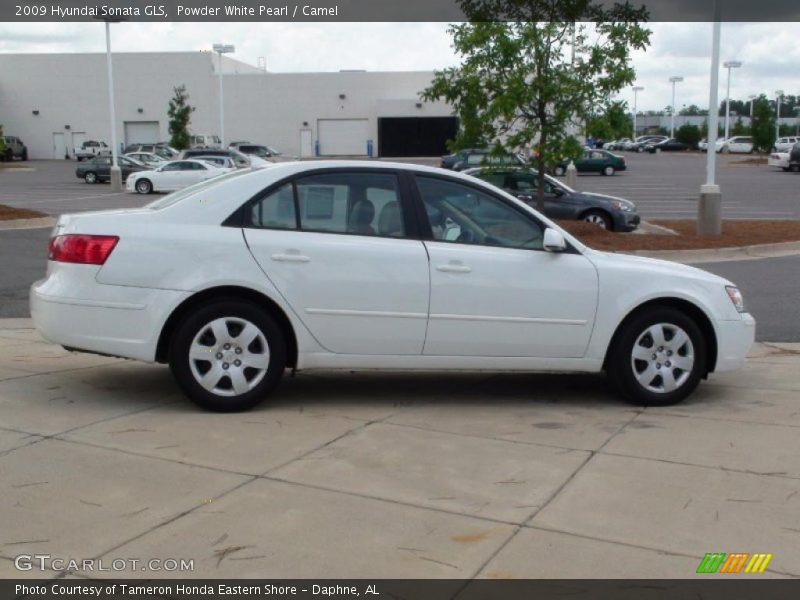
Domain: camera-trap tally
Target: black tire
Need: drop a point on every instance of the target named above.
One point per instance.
(144, 186)
(608, 170)
(91, 177)
(559, 171)
(598, 217)
(198, 320)
(25, 154)
(620, 366)
(640, 149)
(794, 168)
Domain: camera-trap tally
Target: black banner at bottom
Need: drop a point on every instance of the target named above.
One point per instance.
(705, 587)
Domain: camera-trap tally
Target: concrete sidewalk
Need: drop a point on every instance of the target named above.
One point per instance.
(386, 475)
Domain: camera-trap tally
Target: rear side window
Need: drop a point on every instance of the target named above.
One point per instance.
(276, 210)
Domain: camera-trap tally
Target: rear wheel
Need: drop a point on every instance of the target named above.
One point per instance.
(228, 355)
(90, 177)
(658, 357)
(559, 171)
(795, 168)
(608, 170)
(597, 217)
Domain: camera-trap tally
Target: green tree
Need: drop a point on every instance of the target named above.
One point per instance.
(612, 124)
(2, 144)
(688, 134)
(519, 55)
(692, 111)
(180, 115)
(763, 125)
(739, 128)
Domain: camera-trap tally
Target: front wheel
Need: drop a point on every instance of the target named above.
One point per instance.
(228, 355)
(640, 149)
(559, 171)
(90, 177)
(597, 217)
(608, 170)
(795, 168)
(658, 357)
(143, 186)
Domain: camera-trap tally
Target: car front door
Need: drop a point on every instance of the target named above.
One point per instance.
(341, 249)
(170, 176)
(556, 206)
(494, 290)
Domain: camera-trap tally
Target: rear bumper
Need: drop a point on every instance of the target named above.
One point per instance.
(80, 313)
(734, 340)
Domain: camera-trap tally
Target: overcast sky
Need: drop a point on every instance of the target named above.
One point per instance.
(769, 51)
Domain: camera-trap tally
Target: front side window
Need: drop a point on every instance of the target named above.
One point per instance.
(462, 214)
(354, 203)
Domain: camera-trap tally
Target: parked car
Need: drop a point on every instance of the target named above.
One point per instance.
(450, 160)
(703, 144)
(739, 144)
(354, 265)
(594, 161)
(98, 169)
(223, 162)
(668, 145)
(258, 150)
(205, 140)
(561, 201)
(163, 149)
(779, 160)
(794, 158)
(482, 159)
(91, 148)
(149, 159)
(241, 161)
(784, 144)
(639, 144)
(15, 148)
(174, 175)
(617, 144)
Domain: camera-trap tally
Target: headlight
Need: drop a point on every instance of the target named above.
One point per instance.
(736, 297)
(624, 206)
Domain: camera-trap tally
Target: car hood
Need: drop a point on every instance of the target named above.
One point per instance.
(602, 198)
(650, 267)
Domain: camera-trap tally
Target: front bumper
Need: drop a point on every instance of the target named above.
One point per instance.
(734, 340)
(70, 308)
(626, 221)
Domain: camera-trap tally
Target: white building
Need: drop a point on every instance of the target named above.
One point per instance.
(55, 101)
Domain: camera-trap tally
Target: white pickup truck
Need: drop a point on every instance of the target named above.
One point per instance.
(90, 149)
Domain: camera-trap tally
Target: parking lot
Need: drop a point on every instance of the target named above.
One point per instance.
(382, 475)
(664, 186)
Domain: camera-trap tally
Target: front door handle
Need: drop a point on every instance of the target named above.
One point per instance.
(454, 267)
(291, 256)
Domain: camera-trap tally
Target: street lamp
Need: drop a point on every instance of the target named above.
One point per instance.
(636, 90)
(221, 49)
(797, 126)
(778, 96)
(709, 209)
(116, 173)
(674, 80)
(752, 98)
(730, 64)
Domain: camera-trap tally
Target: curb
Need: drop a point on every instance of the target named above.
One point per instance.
(754, 252)
(38, 223)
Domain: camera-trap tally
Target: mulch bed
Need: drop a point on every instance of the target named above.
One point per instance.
(9, 212)
(734, 233)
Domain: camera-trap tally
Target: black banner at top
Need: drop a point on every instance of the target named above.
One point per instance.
(373, 10)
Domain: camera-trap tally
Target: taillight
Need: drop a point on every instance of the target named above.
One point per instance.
(82, 249)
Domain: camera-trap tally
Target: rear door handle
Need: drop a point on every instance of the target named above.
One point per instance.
(454, 268)
(291, 256)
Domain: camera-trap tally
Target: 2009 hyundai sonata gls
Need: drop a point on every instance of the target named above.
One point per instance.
(357, 265)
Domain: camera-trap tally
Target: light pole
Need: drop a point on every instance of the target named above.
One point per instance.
(116, 173)
(752, 98)
(778, 96)
(221, 49)
(709, 209)
(636, 90)
(797, 125)
(730, 64)
(674, 80)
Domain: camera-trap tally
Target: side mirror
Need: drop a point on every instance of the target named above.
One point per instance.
(558, 191)
(554, 241)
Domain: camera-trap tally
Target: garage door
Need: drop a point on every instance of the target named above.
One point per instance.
(141, 132)
(415, 136)
(343, 137)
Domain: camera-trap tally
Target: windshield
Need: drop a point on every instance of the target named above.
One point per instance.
(176, 197)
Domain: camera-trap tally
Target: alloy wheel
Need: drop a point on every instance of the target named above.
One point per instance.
(662, 358)
(229, 356)
(596, 219)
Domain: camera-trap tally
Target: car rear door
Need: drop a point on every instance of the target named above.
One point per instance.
(342, 248)
(494, 290)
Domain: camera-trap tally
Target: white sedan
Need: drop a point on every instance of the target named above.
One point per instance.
(736, 144)
(354, 265)
(171, 176)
